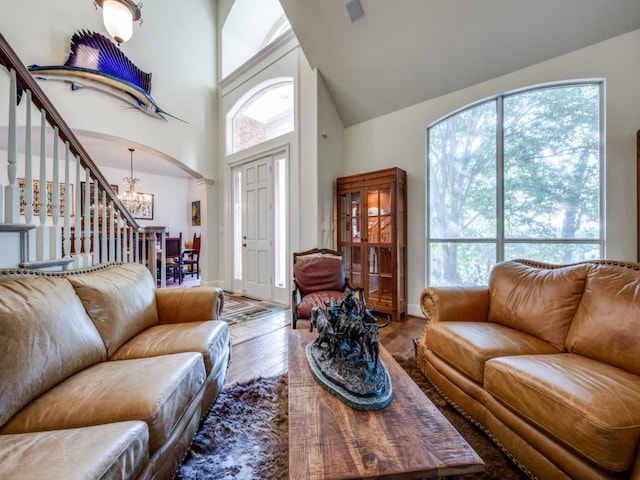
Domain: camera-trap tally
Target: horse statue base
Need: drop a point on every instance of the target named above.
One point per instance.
(345, 380)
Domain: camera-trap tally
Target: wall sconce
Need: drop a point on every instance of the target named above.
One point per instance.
(118, 17)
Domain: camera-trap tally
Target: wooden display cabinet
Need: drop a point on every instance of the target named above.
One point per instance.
(372, 236)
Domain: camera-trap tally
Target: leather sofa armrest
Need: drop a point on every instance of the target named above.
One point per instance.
(442, 304)
(179, 305)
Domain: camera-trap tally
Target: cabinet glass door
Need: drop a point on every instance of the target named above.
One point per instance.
(351, 235)
(350, 217)
(401, 253)
(380, 284)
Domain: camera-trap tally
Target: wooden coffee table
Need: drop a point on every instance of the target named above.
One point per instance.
(410, 438)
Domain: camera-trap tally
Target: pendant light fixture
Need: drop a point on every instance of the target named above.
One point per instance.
(132, 200)
(118, 17)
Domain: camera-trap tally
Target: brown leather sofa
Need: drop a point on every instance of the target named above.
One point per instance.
(103, 376)
(546, 360)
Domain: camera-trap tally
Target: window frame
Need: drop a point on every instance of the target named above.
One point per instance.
(500, 240)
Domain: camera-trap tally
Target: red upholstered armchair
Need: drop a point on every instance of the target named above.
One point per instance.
(318, 277)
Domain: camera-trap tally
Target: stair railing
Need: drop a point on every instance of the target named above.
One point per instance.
(95, 226)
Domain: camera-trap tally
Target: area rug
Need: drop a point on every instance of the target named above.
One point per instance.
(245, 435)
(238, 309)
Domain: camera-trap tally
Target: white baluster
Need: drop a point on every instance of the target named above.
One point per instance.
(112, 227)
(28, 166)
(133, 246)
(105, 228)
(42, 189)
(11, 193)
(95, 217)
(77, 234)
(86, 231)
(55, 232)
(55, 197)
(69, 201)
(40, 200)
(119, 239)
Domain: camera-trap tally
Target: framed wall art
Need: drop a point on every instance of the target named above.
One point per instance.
(143, 208)
(195, 213)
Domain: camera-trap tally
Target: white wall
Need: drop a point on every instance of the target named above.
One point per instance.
(246, 26)
(176, 43)
(398, 139)
(330, 141)
(306, 209)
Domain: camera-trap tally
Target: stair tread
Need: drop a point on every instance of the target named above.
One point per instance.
(55, 262)
(16, 227)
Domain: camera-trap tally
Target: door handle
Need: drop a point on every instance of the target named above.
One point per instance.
(244, 244)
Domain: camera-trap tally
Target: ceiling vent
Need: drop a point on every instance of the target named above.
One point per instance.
(354, 9)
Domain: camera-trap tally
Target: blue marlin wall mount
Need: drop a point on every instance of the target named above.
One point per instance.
(96, 62)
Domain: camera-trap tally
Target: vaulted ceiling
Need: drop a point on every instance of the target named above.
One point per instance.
(402, 52)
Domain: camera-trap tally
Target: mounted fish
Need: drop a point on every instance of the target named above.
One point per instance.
(96, 62)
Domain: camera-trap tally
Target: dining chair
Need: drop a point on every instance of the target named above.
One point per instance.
(191, 257)
(173, 258)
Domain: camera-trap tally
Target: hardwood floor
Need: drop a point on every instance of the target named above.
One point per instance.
(264, 350)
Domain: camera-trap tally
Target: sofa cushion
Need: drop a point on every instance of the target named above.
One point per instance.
(540, 302)
(178, 305)
(606, 323)
(45, 337)
(588, 405)
(468, 345)
(120, 300)
(318, 274)
(317, 299)
(156, 390)
(210, 339)
(112, 451)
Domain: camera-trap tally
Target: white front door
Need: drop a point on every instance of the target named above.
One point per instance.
(257, 228)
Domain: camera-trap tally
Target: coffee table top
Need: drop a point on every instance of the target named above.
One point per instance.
(410, 438)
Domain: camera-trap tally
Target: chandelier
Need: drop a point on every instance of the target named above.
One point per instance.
(132, 200)
(118, 17)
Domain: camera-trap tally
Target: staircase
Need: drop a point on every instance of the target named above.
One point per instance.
(57, 210)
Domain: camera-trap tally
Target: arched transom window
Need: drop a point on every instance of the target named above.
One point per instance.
(266, 112)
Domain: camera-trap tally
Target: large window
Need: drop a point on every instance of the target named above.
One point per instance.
(518, 176)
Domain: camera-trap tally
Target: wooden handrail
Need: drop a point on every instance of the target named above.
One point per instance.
(25, 80)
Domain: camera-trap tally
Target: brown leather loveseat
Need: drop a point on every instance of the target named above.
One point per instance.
(546, 360)
(103, 376)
